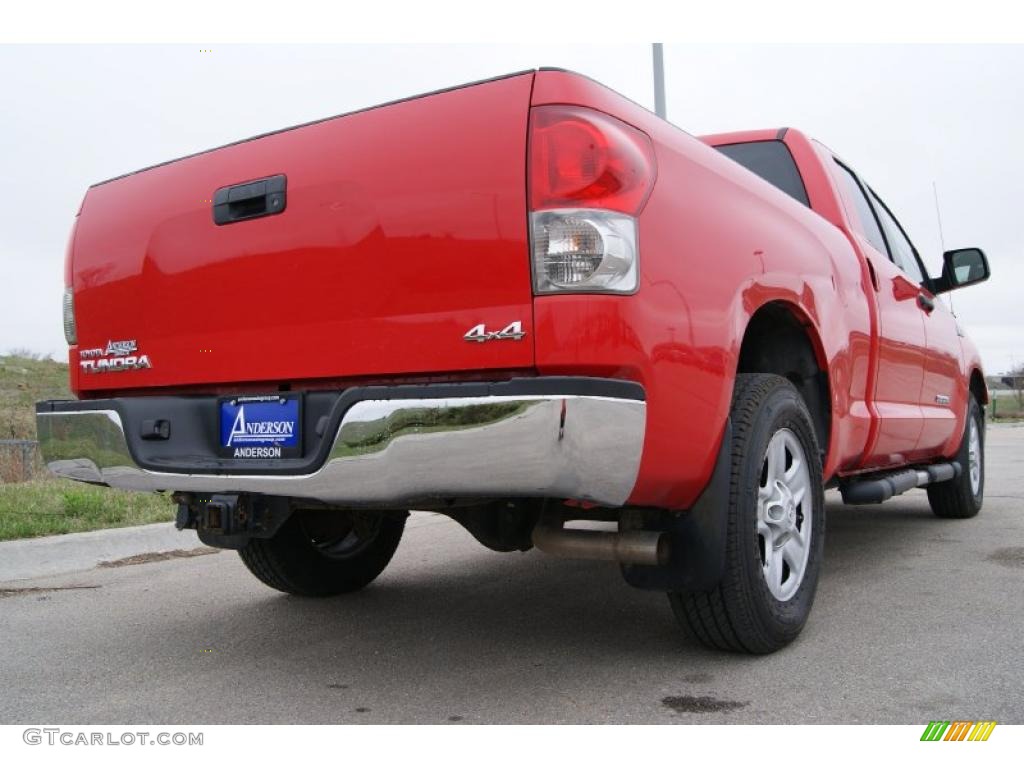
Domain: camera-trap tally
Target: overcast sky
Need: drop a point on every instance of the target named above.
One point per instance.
(902, 116)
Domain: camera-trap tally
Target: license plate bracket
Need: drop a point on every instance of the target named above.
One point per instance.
(260, 427)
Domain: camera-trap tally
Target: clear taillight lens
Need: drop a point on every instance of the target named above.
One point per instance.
(70, 334)
(579, 249)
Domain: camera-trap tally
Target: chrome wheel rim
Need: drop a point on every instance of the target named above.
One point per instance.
(974, 456)
(784, 504)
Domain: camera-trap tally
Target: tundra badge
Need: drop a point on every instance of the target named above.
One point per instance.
(116, 356)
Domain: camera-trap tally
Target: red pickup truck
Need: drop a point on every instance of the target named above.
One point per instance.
(522, 303)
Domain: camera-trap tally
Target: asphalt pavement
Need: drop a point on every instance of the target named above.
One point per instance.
(916, 619)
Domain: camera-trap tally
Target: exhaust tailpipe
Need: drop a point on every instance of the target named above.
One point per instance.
(633, 547)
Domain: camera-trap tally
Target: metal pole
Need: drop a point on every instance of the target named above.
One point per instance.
(659, 81)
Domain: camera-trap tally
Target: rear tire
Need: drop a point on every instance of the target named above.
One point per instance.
(963, 496)
(319, 554)
(776, 526)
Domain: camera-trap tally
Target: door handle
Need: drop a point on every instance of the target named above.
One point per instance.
(925, 302)
(251, 200)
(873, 275)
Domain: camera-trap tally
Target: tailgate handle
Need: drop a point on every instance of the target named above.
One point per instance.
(250, 200)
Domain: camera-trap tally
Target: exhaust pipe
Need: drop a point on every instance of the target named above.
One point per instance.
(633, 547)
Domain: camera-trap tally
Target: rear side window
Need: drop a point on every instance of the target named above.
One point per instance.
(772, 161)
(868, 222)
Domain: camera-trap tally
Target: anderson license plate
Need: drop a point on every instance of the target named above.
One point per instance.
(261, 427)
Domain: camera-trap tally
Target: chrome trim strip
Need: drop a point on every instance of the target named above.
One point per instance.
(389, 452)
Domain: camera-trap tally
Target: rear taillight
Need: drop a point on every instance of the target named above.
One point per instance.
(590, 176)
(70, 332)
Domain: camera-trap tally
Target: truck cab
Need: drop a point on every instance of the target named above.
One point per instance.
(921, 364)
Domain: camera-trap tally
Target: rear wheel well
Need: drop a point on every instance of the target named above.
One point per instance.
(778, 341)
(978, 388)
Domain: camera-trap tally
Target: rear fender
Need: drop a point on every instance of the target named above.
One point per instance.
(697, 536)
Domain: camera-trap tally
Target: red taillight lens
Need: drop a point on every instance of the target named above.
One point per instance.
(583, 158)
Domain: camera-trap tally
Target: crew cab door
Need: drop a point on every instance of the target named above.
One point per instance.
(903, 346)
(943, 385)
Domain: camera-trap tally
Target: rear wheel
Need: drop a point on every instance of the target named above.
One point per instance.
(776, 526)
(318, 554)
(962, 496)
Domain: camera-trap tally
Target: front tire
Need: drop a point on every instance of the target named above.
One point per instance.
(962, 496)
(325, 553)
(776, 526)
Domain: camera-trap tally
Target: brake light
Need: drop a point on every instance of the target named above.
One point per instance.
(590, 176)
(583, 158)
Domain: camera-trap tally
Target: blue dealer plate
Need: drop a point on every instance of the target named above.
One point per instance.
(264, 427)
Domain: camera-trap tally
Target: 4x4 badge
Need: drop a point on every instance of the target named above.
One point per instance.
(512, 331)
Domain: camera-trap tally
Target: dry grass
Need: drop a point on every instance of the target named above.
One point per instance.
(50, 506)
(47, 505)
(24, 379)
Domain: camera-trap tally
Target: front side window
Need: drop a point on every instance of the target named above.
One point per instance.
(902, 249)
(868, 222)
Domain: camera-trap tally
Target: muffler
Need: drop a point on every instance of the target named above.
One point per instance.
(633, 547)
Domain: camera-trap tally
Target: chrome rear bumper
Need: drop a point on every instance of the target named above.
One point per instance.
(572, 446)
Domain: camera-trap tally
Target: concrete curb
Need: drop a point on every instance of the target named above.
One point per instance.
(54, 555)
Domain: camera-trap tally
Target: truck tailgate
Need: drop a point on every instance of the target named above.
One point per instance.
(405, 226)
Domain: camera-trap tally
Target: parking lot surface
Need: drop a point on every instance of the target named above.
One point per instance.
(916, 619)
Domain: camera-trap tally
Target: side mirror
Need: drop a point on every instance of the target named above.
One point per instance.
(960, 268)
